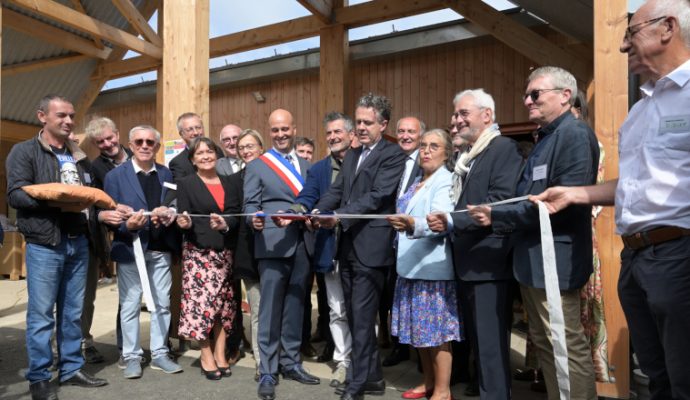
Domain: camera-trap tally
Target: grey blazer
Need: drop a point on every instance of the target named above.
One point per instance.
(224, 166)
(265, 191)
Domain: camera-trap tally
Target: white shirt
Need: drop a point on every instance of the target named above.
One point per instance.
(138, 169)
(409, 166)
(654, 151)
(294, 162)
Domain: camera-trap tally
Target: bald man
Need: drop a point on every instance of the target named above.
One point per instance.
(231, 163)
(271, 184)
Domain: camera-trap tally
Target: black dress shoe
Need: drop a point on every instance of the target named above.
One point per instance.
(42, 390)
(327, 353)
(350, 396)
(300, 375)
(400, 353)
(84, 379)
(308, 351)
(267, 387)
(373, 388)
(472, 389)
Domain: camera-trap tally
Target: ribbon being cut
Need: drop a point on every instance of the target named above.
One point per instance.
(71, 198)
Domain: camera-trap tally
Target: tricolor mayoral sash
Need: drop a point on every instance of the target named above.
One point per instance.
(285, 170)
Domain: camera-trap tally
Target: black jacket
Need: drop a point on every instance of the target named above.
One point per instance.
(33, 162)
(101, 166)
(195, 198)
(245, 266)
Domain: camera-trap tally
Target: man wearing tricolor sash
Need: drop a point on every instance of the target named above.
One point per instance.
(271, 184)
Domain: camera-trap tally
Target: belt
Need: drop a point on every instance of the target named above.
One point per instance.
(651, 237)
(73, 235)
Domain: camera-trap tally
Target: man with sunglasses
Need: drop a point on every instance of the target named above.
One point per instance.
(57, 250)
(566, 153)
(651, 197)
(141, 184)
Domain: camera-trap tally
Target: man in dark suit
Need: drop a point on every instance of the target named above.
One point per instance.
(408, 131)
(271, 184)
(189, 126)
(366, 185)
(485, 174)
(141, 184)
(566, 154)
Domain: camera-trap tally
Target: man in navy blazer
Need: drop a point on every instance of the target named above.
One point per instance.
(482, 257)
(566, 154)
(271, 184)
(366, 185)
(339, 135)
(142, 184)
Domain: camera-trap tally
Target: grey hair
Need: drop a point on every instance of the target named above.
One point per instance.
(183, 117)
(96, 126)
(481, 100)
(422, 125)
(380, 104)
(336, 116)
(560, 78)
(678, 9)
(447, 143)
(145, 128)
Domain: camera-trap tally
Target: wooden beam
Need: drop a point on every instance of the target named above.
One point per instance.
(333, 76)
(521, 39)
(138, 22)
(129, 66)
(185, 31)
(296, 29)
(45, 63)
(79, 7)
(52, 35)
(85, 23)
(16, 131)
(322, 9)
(97, 80)
(610, 96)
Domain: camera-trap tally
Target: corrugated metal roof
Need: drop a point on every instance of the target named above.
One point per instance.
(21, 92)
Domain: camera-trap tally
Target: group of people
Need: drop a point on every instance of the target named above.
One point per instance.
(261, 213)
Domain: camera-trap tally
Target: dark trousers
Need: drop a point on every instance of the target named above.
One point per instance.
(654, 290)
(283, 286)
(486, 313)
(323, 318)
(362, 289)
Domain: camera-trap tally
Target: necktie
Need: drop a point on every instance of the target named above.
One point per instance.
(365, 153)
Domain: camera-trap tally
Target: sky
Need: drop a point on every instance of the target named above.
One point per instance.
(244, 16)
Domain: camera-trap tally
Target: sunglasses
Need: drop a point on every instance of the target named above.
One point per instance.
(140, 142)
(534, 94)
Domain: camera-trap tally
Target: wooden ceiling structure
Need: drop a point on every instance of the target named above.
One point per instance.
(182, 48)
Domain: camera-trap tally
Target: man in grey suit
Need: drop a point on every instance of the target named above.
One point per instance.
(271, 184)
(485, 174)
(231, 163)
(366, 185)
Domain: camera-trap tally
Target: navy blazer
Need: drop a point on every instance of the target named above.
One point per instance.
(265, 191)
(571, 158)
(123, 186)
(371, 189)
(317, 184)
(479, 253)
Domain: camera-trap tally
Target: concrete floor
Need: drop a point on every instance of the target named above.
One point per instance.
(189, 384)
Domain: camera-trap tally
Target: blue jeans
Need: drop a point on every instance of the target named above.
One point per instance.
(130, 291)
(56, 278)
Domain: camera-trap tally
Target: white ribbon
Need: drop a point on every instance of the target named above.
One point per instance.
(143, 274)
(553, 299)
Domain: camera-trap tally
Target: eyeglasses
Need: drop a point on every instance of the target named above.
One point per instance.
(534, 94)
(140, 142)
(630, 31)
(249, 147)
(228, 139)
(433, 147)
(464, 113)
(193, 129)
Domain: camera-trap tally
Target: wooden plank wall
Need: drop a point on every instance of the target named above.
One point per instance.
(421, 82)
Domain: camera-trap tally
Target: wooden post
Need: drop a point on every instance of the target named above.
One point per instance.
(610, 109)
(183, 78)
(333, 72)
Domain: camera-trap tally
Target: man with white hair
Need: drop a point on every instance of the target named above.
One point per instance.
(231, 163)
(651, 197)
(485, 174)
(566, 153)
